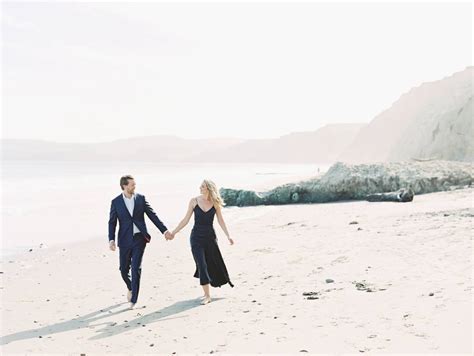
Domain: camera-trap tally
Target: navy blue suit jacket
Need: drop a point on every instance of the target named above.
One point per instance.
(119, 211)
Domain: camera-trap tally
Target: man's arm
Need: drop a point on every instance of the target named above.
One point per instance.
(112, 222)
(154, 218)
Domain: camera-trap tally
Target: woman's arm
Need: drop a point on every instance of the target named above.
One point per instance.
(186, 218)
(221, 221)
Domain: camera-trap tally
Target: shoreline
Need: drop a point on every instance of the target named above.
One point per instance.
(232, 209)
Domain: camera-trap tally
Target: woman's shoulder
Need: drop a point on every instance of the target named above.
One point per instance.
(193, 201)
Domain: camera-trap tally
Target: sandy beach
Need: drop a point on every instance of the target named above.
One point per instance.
(348, 277)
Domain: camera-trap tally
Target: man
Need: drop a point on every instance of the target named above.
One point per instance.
(130, 209)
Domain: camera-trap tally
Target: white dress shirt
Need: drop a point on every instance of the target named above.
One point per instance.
(130, 203)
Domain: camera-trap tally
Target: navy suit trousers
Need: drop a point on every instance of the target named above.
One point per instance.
(131, 256)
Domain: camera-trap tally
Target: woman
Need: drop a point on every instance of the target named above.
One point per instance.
(210, 267)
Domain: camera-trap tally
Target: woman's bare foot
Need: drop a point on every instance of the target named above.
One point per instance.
(206, 300)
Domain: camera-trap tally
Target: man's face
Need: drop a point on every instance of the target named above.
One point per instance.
(130, 187)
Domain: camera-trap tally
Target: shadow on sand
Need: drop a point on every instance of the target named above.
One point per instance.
(110, 328)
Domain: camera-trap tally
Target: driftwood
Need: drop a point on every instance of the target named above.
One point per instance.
(402, 195)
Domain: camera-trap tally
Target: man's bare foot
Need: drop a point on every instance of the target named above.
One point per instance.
(206, 300)
(129, 295)
(132, 306)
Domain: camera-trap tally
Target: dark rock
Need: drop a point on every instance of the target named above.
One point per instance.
(329, 280)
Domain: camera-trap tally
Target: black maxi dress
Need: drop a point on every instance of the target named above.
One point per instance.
(210, 267)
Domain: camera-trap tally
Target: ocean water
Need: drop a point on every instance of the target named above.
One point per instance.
(58, 202)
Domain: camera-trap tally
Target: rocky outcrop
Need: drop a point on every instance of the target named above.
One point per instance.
(355, 182)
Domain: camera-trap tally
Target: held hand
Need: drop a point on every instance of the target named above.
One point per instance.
(230, 241)
(169, 235)
(112, 245)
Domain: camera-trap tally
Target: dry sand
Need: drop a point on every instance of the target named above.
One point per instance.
(413, 262)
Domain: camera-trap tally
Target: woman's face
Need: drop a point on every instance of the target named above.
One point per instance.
(203, 188)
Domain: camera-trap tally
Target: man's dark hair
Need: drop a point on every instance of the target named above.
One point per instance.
(124, 180)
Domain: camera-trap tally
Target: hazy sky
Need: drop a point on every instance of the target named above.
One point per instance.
(100, 71)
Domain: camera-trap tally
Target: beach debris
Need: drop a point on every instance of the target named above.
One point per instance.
(367, 287)
(353, 222)
(402, 195)
(431, 294)
(311, 295)
(329, 280)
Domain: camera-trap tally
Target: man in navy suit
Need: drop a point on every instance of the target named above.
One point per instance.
(130, 209)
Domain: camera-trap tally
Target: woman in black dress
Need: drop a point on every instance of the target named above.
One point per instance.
(210, 267)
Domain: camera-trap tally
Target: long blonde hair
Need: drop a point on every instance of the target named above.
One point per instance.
(214, 195)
